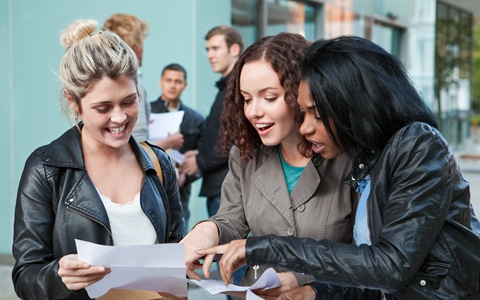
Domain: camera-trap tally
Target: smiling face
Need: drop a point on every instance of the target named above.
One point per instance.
(313, 128)
(109, 112)
(265, 106)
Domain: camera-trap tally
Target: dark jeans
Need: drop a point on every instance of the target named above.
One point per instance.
(213, 203)
(186, 215)
(237, 277)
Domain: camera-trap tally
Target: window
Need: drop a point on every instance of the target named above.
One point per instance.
(258, 18)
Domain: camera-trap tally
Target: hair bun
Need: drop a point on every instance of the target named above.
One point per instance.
(77, 31)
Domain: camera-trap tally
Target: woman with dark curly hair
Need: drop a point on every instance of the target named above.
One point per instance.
(274, 184)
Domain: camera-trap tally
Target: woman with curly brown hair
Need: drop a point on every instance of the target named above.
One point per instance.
(274, 184)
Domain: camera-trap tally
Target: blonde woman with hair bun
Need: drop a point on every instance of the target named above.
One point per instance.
(95, 182)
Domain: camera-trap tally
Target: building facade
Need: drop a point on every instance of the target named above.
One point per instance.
(431, 37)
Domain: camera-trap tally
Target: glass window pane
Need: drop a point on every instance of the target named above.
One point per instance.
(291, 16)
(244, 19)
(387, 36)
(340, 19)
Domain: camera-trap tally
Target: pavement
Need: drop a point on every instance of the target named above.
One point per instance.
(468, 159)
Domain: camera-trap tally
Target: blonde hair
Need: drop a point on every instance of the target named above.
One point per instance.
(130, 28)
(89, 57)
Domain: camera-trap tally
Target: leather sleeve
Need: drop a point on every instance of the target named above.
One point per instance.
(34, 274)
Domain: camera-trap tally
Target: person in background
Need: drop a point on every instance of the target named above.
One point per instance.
(133, 31)
(95, 182)
(274, 184)
(224, 45)
(416, 233)
(173, 82)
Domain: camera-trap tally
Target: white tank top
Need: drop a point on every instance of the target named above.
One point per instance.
(129, 224)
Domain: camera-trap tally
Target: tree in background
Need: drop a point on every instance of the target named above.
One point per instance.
(476, 67)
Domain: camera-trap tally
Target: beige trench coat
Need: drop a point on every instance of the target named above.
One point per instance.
(255, 200)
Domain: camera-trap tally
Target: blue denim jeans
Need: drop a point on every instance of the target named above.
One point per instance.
(237, 277)
(213, 203)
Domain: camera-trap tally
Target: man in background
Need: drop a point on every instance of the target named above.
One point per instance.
(173, 82)
(224, 45)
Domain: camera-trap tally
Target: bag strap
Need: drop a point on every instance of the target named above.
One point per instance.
(154, 159)
(161, 190)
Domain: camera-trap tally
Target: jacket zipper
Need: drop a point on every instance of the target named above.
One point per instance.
(90, 218)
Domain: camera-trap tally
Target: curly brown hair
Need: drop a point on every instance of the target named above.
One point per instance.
(130, 28)
(284, 53)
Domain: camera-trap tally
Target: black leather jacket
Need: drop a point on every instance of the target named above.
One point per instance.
(425, 236)
(57, 203)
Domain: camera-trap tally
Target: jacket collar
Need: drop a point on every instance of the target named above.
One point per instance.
(66, 151)
(164, 103)
(272, 169)
(222, 82)
(363, 163)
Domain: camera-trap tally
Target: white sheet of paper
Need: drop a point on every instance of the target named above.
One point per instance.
(252, 296)
(268, 280)
(163, 124)
(159, 267)
(176, 156)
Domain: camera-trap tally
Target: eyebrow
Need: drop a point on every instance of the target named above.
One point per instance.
(262, 90)
(108, 102)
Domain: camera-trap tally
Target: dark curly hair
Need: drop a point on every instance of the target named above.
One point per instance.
(284, 53)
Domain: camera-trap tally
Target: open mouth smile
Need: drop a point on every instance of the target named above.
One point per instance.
(263, 126)
(116, 130)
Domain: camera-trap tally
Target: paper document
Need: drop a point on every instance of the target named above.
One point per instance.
(268, 280)
(163, 124)
(159, 267)
(176, 156)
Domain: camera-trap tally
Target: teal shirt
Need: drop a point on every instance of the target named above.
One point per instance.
(291, 173)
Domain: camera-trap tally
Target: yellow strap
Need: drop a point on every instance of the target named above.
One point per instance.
(154, 159)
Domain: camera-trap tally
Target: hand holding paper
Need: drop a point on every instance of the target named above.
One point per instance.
(159, 267)
(268, 280)
(77, 274)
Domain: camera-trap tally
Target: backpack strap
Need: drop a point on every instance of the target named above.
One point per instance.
(161, 189)
(154, 159)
